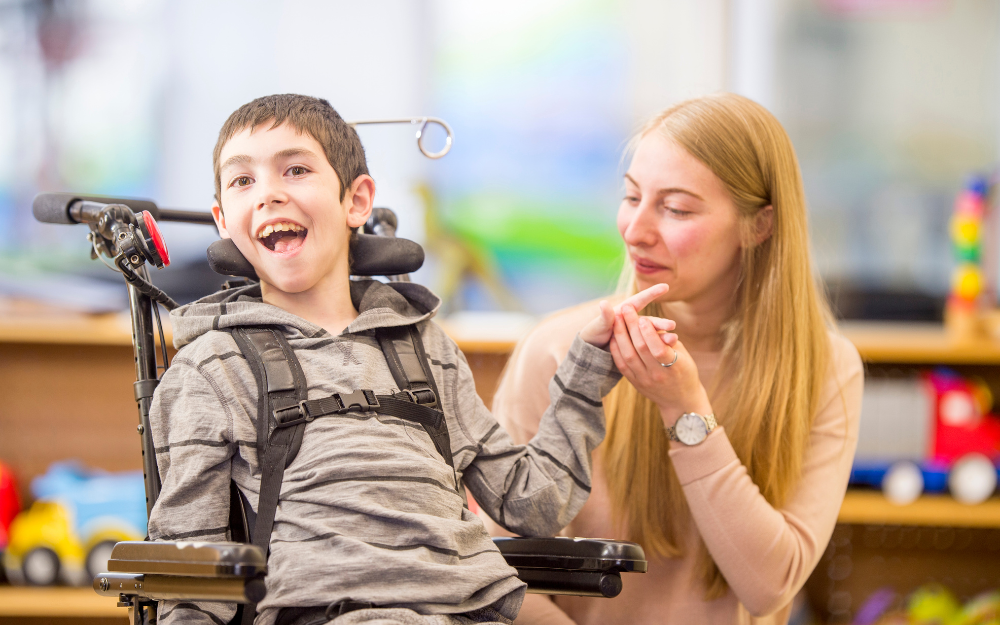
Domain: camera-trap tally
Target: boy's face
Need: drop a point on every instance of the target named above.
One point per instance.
(281, 206)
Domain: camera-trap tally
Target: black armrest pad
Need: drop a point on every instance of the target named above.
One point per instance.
(580, 554)
(188, 559)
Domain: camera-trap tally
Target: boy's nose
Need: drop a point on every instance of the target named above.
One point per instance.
(271, 193)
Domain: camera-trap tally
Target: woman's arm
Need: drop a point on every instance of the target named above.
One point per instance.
(766, 554)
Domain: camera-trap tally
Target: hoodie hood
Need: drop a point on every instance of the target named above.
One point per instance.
(379, 305)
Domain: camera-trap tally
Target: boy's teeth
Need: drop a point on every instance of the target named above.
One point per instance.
(279, 227)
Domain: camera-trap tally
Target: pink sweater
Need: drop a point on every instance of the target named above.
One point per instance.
(765, 554)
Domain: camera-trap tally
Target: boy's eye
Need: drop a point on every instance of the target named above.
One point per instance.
(297, 170)
(242, 181)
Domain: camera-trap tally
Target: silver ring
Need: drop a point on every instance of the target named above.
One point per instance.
(676, 353)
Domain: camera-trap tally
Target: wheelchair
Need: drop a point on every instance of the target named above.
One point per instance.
(141, 573)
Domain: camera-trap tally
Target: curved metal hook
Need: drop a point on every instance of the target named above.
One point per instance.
(423, 121)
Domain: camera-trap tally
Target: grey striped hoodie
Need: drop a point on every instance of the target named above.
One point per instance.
(368, 509)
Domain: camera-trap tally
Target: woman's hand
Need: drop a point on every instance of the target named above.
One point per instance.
(644, 356)
(599, 331)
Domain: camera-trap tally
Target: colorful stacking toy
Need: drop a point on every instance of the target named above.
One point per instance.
(967, 241)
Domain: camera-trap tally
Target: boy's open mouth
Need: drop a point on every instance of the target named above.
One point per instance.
(282, 237)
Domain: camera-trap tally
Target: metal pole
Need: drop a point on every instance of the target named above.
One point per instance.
(146, 381)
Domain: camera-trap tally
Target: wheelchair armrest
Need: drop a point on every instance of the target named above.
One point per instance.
(572, 566)
(191, 571)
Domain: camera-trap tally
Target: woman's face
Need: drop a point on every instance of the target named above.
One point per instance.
(679, 223)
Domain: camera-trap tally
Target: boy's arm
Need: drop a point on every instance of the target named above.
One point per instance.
(537, 489)
(191, 426)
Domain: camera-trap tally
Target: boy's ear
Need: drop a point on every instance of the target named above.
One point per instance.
(764, 224)
(359, 200)
(220, 220)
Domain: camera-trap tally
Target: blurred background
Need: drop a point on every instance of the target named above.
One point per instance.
(891, 105)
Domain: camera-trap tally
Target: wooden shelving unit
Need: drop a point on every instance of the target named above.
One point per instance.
(16, 601)
(51, 361)
(916, 343)
(871, 508)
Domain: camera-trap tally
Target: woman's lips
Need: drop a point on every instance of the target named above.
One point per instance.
(646, 267)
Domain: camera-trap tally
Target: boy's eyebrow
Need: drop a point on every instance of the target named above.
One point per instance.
(292, 152)
(243, 159)
(670, 190)
(238, 159)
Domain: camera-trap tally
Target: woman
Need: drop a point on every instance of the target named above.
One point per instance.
(734, 518)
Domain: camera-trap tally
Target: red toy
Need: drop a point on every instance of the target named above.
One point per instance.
(10, 504)
(929, 434)
(963, 423)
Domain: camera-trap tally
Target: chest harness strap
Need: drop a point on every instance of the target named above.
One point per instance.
(283, 410)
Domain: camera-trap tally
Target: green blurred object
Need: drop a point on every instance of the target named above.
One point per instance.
(968, 253)
(933, 604)
(518, 232)
(480, 234)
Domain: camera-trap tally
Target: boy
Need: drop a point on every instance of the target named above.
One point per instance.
(371, 520)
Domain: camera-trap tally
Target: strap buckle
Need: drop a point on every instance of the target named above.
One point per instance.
(360, 400)
(293, 415)
(426, 396)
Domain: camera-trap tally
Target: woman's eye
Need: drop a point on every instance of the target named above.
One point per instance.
(242, 181)
(677, 212)
(632, 199)
(297, 170)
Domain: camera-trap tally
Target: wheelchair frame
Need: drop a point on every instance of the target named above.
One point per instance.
(141, 573)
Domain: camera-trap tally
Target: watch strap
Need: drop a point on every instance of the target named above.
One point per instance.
(710, 424)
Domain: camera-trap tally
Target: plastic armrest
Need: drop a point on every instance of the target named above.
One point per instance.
(572, 566)
(185, 570)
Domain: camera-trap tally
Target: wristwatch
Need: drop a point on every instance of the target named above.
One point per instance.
(692, 428)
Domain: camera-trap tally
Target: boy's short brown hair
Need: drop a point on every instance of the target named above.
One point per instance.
(313, 116)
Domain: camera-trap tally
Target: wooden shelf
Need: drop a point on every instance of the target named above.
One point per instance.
(68, 329)
(114, 330)
(57, 602)
(877, 342)
(918, 343)
(870, 507)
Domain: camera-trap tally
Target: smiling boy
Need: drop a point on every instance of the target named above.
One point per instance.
(371, 520)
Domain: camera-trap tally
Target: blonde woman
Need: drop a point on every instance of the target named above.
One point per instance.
(729, 461)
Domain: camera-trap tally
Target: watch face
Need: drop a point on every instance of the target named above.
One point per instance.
(690, 429)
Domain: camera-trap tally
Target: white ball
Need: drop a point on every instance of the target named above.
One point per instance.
(903, 483)
(973, 479)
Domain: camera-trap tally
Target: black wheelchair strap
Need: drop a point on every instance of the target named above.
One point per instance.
(400, 405)
(283, 410)
(280, 384)
(410, 367)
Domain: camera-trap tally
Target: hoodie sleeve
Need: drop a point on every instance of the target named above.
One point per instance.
(191, 425)
(536, 489)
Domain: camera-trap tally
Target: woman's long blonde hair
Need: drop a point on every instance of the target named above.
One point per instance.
(775, 348)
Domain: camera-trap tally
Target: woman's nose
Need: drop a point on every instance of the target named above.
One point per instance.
(642, 228)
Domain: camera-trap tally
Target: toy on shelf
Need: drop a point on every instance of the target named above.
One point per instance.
(10, 504)
(974, 229)
(928, 434)
(932, 604)
(77, 517)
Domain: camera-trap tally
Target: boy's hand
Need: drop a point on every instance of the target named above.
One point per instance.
(599, 331)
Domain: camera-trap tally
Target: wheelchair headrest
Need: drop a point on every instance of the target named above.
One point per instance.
(371, 255)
